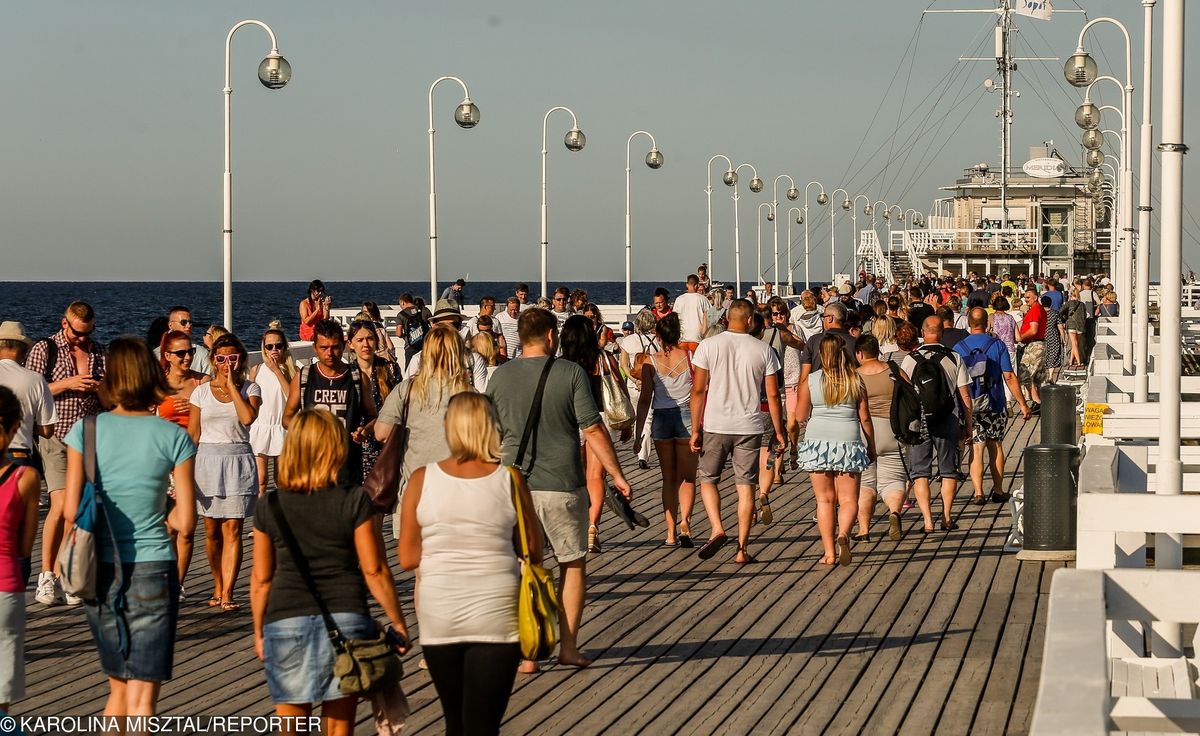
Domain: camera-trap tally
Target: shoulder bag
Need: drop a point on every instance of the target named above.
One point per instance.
(77, 557)
(363, 666)
(383, 482)
(537, 602)
(529, 436)
(615, 405)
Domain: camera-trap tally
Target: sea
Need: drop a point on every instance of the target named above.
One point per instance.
(128, 307)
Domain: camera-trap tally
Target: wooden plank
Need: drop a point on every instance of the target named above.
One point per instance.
(685, 645)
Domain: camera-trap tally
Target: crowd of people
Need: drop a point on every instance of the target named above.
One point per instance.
(875, 390)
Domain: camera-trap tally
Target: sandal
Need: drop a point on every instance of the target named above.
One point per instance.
(711, 546)
(949, 527)
(685, 539)
(978, 500)
(214, 602)
(843, 547)
(230, 606)
(593, 540)
(764, 510)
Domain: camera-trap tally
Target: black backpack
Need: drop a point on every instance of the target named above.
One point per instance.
(414, 327)
(929, 380)
(905, 413)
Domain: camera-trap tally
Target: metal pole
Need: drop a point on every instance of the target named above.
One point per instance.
(791, 263)
(227, 179)
(433, 285)
(545, 208)
(628, 220)
(833, 234)
(1141, 381)
(708, 196)
(807, 281)
(737, 246)
(1168, 551)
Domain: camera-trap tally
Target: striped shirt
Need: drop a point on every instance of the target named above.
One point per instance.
(512, 339)
(71, 406)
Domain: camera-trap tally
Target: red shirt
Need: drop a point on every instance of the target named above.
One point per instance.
(1035, 314)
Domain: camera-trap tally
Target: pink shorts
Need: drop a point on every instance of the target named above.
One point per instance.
(791, 396)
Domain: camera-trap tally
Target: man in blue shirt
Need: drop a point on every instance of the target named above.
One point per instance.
(1055, 294)
(989, 369)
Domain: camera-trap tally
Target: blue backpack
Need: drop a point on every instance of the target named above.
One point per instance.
(982, 374)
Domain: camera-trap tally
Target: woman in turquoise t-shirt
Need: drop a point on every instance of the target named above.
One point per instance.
(135, 452)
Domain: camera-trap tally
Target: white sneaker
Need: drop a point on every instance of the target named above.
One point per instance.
(72, 600)
(48, 593)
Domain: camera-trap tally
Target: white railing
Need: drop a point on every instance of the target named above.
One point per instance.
(872, 258)
(977, 239)
(1191, 296)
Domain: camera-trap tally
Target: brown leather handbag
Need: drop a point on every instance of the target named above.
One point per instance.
(383, 482)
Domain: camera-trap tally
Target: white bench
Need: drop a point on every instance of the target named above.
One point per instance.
(1085, 687)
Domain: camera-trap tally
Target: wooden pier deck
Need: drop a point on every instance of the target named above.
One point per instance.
(934, 634)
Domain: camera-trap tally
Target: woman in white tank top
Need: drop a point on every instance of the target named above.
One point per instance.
(667, 387)
(457, 524)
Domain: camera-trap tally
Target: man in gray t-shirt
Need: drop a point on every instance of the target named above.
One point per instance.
(556, 479)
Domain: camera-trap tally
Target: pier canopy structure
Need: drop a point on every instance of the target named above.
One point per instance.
(1055, 224)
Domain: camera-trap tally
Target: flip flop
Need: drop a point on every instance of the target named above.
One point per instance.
(214, 602)
(843, 548)
(709, 548)
(749, 557)
(764, 511)
(619, 506)
(230, 606)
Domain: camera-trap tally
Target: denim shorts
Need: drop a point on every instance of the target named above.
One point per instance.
(298, 656)
(133, 624)
(671, 424)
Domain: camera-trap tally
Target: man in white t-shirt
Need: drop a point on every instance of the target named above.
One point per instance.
(506, 322)
(731, 370)
(692, 309)
(37, 404)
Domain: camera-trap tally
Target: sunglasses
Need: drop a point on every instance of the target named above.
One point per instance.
(560, 298)
(227, 359)
(185, 322)
(273, 346)
(778, 314)
(181, 354)
(80, 333)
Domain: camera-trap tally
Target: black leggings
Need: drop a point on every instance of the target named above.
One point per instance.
(473, 681)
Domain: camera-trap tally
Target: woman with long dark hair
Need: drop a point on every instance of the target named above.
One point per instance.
(383, 374)
(580, 345)
(314, 307)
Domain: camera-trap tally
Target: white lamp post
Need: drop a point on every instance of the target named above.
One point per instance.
(654, 159)
(1080, 70)
(792, 264)
(1168, 551)
(1141, 380)
(730, 180)
(274, 72)
(770, 218)
(833, 233)
(467, 116)
(574, 141)
(756, 186)
(854, 227)
(822, 199)
(792, 194)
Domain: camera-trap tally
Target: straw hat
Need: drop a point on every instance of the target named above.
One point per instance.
(445, 309)
(14, 331)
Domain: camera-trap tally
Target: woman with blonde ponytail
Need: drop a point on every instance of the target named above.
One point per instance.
(838, 445)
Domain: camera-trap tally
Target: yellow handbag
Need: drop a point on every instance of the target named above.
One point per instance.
(537, 602)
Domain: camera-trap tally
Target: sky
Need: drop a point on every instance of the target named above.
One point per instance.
(111, 136)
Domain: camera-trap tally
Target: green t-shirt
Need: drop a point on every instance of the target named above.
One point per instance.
(567, 407)
(134, 457)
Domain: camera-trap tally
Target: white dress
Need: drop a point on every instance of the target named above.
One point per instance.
(267, 432)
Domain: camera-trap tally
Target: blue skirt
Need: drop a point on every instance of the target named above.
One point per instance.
(815, 456)
(133, 624)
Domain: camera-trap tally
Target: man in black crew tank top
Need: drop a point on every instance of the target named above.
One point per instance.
(338, 388)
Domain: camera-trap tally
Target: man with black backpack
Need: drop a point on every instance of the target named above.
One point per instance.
(989, 368)
(412, 325)
(938, 378)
